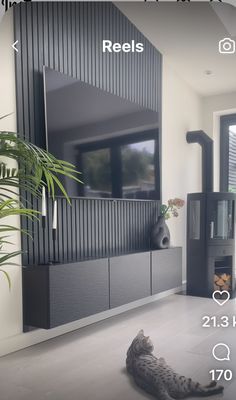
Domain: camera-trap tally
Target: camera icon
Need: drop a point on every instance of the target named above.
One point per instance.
(227, 46)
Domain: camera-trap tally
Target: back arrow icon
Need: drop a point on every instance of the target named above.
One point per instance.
(14, 46)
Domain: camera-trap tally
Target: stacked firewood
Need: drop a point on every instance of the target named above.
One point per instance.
(222, 281)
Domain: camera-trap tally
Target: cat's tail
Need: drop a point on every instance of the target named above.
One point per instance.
(211, 385)
(209, 390)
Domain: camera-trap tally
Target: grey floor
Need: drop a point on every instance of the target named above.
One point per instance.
(88, 364)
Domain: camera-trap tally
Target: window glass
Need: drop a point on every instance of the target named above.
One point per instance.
(194, 216)
(232, 158)
(221, 219)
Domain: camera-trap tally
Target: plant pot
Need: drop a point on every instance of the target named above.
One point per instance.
(160, 234)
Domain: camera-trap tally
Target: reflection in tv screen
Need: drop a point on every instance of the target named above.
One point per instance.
(112, 141)
(138, 175)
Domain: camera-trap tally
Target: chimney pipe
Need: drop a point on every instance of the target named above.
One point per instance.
(206, 144)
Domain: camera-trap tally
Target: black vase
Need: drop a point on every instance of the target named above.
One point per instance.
(160, 234)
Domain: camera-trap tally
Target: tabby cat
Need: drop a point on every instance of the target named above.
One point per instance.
(154, 376)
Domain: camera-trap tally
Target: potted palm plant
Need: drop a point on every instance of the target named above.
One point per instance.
(35, 169)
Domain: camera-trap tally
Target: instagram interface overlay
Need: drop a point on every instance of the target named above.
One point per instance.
(226, 47)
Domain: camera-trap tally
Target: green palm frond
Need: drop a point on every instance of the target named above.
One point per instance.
(7, 276)
(4, 241)
(6, 115)
(11, 207)
(12, 178)
(10, 228)
(7, 256)
(38, 163)
(4, 261)
(35, 168)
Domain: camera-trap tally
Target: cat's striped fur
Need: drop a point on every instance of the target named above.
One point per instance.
(154, 376)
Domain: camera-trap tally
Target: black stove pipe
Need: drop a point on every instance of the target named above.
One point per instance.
(206, 144)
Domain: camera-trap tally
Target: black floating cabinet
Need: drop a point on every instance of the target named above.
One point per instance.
(57, 294)
(60, 293)
(129, 278)
(166, 269)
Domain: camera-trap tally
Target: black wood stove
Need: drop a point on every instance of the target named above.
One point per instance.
(210, 231)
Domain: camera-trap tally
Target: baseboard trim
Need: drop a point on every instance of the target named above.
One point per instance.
(23, 340)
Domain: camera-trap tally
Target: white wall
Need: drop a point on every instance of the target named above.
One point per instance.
(10, 302)
(181, 162)
(181, 174)
(213, 108)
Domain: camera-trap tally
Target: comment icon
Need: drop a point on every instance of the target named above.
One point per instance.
(221, 352)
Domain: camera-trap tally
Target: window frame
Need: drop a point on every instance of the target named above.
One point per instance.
(225, 122)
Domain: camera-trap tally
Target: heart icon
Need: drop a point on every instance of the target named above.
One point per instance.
(217, 297)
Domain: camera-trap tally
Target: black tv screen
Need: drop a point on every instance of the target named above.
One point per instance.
(112, 141)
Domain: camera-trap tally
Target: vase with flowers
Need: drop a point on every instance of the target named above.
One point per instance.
(160, 234)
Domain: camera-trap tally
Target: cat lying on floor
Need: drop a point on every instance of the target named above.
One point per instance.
(154, 376)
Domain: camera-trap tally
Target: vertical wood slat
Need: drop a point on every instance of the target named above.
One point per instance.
(94, 228)
(20, 120)
(68, 38)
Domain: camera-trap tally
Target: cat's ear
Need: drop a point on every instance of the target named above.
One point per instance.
(141, 332)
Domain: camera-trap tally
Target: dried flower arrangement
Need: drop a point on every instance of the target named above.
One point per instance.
(171, 208)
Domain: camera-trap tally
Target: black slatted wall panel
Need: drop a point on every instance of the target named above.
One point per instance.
(94, 228)
(68, 37)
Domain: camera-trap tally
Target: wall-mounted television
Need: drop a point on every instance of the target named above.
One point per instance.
(113, 142)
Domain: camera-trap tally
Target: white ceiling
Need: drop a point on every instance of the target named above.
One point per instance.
(187, 34)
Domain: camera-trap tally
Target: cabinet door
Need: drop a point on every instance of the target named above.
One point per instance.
(78, 290)
(166, 269)
(129, 278)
